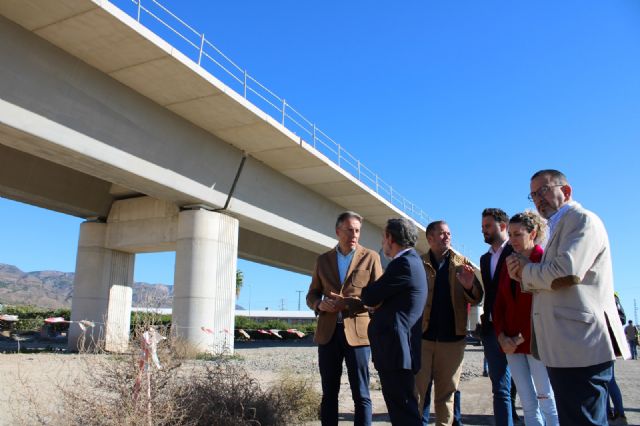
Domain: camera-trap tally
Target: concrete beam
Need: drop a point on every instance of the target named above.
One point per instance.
(36, 181)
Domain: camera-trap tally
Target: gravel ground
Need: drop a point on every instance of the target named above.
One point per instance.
(301, 358)
(34, 379)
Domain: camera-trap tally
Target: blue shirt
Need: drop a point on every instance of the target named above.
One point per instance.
(344, 261)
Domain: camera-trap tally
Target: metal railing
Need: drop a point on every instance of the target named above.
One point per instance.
(205, 53)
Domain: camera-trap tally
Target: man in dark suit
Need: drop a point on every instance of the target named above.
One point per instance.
(395, 331)
(494, 229)
(334, 294)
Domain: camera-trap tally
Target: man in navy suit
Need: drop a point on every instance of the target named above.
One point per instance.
(395, 331)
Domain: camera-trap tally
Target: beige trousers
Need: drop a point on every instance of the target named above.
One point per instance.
(442, 363)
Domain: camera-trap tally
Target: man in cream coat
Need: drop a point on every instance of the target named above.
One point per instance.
(576, 330)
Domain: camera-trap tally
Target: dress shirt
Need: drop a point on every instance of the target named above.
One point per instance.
(495, 256)
(553, 221)
(401, 252)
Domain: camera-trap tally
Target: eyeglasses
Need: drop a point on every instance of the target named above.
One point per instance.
(541, 192)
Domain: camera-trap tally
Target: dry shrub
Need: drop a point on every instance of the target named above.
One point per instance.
(184, 392)
(226, 395)
(109, 395)
(297, 395)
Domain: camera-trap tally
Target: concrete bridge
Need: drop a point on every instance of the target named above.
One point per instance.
(102, 119)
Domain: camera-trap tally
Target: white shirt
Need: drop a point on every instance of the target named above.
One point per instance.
(495, 256)
(553, 221)
(401, 252)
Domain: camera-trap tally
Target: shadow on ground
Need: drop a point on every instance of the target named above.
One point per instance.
(469, 420)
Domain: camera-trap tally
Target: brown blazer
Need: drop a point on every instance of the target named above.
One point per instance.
(365, 268)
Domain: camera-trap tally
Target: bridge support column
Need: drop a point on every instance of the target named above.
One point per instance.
(102, 292)
(204, 282)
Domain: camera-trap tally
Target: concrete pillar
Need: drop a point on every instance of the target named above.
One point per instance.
(102, 292)
(204, 283)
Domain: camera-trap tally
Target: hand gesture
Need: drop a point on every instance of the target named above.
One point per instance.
(515, 264)
(466, 275)
(372, 309)
(328, 305)
(507, 344)
(333, 303)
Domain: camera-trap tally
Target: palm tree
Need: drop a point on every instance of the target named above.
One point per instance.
(239, 282)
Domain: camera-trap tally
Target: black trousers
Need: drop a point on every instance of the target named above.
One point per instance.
(581, 393)
(398, 387)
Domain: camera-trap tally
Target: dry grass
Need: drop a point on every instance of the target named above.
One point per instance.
(184, 392)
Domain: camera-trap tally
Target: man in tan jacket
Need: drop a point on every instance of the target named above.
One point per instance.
(452, 285)
(576, 331)
(341, 333)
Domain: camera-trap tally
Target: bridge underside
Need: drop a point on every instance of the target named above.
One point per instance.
(101, 119)
(44, 184)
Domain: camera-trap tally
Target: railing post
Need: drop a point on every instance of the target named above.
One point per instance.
(377, 188)
(284, 107)
(201, 48)
(359, 178)
(314, 135)
(245, 84)
(339, 149)
(139, 9)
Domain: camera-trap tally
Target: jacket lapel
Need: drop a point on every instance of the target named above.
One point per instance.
(333, 257)
(552, 238)
(485, 270)
(506, 251)
(354, 261)
(556, 232)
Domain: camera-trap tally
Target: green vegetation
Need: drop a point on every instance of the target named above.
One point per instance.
(31, 318)
(239, 281)
(144, 318)
(251, 324)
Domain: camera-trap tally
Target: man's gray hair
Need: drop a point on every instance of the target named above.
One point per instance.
(347, 215)
(402, 231)
(553, 174)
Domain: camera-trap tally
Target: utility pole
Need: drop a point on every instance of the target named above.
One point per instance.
(299, 292)
(635, 311)
(282, 304)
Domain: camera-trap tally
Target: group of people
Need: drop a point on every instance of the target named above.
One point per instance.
(549, 323)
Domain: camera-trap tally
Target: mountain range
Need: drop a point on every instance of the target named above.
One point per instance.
(54, 289)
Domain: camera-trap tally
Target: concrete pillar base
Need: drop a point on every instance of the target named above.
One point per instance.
(204, 285)
(102, 293)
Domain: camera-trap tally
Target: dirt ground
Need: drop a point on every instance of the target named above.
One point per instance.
(32, 381)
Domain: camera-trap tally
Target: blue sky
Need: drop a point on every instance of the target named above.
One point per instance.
(454, 103)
